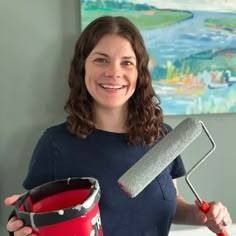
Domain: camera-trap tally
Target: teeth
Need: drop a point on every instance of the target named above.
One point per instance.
(111, 86)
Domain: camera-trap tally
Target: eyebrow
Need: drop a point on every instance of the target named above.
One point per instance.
(105, 55)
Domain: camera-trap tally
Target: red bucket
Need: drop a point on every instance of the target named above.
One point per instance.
(67, 207)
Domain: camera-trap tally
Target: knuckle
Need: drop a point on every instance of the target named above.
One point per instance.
(20, 232)
(218, 204)
(14, 225)
(10, 225)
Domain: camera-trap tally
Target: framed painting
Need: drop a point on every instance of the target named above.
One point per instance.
(191, 46)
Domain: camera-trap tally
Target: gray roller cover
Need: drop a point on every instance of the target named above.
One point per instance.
(136, 178)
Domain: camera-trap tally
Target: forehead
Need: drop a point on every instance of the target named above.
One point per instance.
(114, 43)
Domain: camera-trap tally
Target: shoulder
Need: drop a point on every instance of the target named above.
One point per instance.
(55, 134)
(56, 129)
(165, 128)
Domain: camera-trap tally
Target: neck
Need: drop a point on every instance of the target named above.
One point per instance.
(113, 120)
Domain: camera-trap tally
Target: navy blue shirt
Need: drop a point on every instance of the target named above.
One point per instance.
(106, 156)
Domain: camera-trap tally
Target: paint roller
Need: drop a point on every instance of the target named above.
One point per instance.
(143, 172)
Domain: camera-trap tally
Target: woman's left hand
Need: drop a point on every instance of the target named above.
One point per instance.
(217, 219)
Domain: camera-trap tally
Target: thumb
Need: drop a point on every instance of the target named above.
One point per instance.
(202, 217)
(9, 201)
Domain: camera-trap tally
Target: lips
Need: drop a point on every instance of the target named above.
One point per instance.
(109, 86)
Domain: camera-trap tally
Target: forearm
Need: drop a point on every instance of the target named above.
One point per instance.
(185, 212)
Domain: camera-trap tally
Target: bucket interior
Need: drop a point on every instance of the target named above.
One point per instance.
(58, 201)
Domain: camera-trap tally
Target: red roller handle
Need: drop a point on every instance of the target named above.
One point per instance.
(204, 207)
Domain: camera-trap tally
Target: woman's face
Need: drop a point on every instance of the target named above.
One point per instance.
(111, 72)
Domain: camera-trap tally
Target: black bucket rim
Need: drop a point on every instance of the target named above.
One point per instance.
(36, 194)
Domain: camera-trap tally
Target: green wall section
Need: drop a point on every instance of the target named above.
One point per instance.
(37, 41)
(36, 45)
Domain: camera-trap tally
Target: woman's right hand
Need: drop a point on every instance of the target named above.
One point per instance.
(15, 225)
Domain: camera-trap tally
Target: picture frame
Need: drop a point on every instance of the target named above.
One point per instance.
(191, 47)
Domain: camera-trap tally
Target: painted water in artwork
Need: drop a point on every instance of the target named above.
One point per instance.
(192, 50)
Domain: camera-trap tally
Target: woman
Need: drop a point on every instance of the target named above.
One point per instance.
(114, 119)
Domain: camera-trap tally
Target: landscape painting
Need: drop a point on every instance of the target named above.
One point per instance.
(191, 46)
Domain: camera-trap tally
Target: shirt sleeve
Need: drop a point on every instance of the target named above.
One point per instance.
(41, 167)
(177, 168)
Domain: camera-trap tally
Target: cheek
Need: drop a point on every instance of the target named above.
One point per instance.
(88, 76)
(91, 73)
(135, 79)
(86, 80)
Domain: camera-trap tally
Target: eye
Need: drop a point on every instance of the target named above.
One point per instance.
(101, 60)
(128, 63)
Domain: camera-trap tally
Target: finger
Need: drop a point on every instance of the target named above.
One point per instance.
(17, 226)
(218, 217)
(216, 220)
(214, 211)
(25, 231)
(226, 221)
(223, 215)
(201, 217)
(216, 228)
(14, 224)
(12, 199)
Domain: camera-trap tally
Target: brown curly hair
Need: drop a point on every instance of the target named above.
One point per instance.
(144, 112)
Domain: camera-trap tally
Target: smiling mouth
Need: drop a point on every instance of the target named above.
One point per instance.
(108, 86)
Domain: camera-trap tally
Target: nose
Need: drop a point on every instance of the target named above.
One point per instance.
(113, 70)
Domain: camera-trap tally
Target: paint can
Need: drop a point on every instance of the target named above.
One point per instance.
(66, 207)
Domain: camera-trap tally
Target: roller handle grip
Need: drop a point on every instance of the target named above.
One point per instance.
(204, 207)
